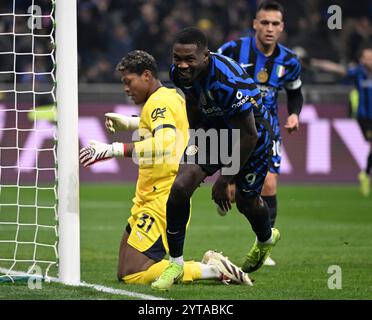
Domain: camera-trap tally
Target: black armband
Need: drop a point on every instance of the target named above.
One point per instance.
(295, 101)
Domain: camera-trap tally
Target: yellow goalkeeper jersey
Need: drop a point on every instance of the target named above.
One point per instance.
(163, 131)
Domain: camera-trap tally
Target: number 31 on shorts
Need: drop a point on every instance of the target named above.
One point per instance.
(146, 221)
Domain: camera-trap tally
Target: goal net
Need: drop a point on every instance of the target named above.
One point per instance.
(29, 215)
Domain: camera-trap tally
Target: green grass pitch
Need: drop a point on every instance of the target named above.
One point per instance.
(321, 226)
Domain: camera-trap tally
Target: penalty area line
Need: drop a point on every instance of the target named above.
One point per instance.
(96, 287)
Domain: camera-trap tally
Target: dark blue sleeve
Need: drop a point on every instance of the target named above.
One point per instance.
(294, 70)
(292, 76)
(172, 76)
(352, 72)
(226, 49)
(238, 96)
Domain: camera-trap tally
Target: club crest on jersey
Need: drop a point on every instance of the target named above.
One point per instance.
(262, 76)
(191, 150)
(158, 113)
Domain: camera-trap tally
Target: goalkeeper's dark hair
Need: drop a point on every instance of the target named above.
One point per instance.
(270, 5)
(138, 61)
(192, 35)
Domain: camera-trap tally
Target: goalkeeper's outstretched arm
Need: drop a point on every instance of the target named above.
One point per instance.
(161, 144)
(116, 122)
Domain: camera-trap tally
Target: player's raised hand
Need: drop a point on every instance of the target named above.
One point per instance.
(97, 151)
(293, 123)
(117, 122)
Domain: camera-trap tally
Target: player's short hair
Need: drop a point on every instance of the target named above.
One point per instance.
(192, 35)
(270, 5)
(138, 61)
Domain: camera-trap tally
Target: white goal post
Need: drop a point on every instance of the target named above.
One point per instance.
(39, 144)
(68, 142)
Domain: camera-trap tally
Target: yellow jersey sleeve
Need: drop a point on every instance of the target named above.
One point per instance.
(161, 126)
(163, 129)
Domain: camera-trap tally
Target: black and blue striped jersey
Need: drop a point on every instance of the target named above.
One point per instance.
(226, 90)
(363, 83)
(271, 74)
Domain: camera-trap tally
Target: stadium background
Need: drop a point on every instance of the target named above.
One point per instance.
(328, 149)
(326, 154)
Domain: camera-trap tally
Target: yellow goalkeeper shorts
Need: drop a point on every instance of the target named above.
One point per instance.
(148, 228)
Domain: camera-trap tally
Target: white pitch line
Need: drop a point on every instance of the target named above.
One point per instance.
(120, 291)
(97, 287)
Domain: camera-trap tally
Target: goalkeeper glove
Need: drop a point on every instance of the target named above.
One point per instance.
(116, 122)
(98, 151)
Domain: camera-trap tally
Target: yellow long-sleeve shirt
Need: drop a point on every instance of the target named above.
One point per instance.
(163, 131)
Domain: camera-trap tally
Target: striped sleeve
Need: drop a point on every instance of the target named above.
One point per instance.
(238, 96)
(172, 75)
(226, 49)
(293, 80)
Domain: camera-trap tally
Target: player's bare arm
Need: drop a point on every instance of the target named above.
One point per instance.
(329, 66)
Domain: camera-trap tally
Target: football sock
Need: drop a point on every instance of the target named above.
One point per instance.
(148, 276)
(272, 204)
(178, 260)
(178, 213)
(259, 220)
(268, 241)
(369, 163)
(192, 271)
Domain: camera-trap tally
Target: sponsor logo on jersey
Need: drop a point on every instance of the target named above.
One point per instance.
(241, 102)
(158, 113)
(215, 111)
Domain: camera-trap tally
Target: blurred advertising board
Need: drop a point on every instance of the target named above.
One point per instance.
(329, 148)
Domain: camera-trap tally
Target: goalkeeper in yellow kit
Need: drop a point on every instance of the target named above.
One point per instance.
(163, 131)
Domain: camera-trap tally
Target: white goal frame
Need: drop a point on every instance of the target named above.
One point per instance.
(65, 164)
(67, 141)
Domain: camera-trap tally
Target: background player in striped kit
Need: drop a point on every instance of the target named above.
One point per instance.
(361, 75)
(273, 67)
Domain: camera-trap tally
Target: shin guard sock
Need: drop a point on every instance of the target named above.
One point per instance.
(177, 216)
(272, 204)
